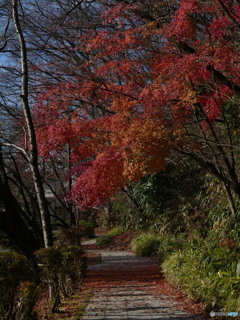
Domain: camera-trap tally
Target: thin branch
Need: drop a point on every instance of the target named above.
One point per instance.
(227, 12)
(12, 145)
(5, 40)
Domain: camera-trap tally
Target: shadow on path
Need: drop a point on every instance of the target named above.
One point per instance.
(124, 288)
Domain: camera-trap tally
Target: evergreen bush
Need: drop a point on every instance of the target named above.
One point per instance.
(169, 244)
(50, 261)
(89, 229)
(145, 245)
(18, 293)
(106, 238)
(72, 270)
(207, 271)
(61, 269)
(71, 236)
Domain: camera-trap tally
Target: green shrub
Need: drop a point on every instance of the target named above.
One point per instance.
(206, 271)
(6, 243)
(72, 269)
(169, 244)
(71, 236)
(62, 269)
(145, 245)
(50, 261)
(106, 238)
(89, 228)
(28, 296)
(182, 266)
(18, 293)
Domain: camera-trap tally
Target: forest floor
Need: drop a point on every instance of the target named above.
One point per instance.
(115, 272)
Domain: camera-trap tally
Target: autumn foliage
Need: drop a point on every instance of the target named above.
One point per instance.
(147, 80)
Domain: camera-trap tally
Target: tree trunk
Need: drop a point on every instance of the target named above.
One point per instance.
(33, 151)
(11, 221)
(72, 217)
(231, 201)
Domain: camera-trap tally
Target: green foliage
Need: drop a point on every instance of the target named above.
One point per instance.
(71, 236)
(82, 307)
(89, 228)
(207, 271)
(162, 245)
(168, 244)
(18, 293)
(215, 201)
(62, 269)
(6, 243)
(145, 245)
(72, 270)
(50, 260)
(28, 296)
(122, 207)
(167, 202)
(106, 238)
(153, 191)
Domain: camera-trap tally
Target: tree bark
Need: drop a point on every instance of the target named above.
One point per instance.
(231, 201)
(11, 220)
(33, 151)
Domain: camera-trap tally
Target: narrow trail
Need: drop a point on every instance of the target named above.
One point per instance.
(124, 287)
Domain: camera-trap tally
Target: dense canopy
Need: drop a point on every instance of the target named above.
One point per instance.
(138, 83)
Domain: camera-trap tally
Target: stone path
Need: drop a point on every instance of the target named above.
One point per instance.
(124, 290)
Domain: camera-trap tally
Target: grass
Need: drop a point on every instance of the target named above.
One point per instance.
(145, 245)
(81, 308)
(71, 308)
(106, 238)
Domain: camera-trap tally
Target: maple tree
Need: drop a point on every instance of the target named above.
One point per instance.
(144, 81)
